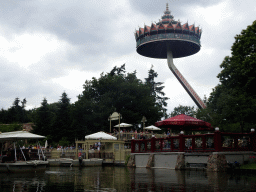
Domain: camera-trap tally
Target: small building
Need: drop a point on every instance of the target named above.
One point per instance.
(104, 146)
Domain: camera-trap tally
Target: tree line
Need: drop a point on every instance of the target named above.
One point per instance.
(115, 91)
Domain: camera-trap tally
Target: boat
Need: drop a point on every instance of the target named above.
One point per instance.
(24, 166)
(9, 161)
(92, 162)
(61, 162)
(67, 162)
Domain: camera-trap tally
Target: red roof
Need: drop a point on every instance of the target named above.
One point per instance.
(169, 26)
(146, 29)
(141, 31)
(185, 26)
(167, 23)
(192, 28)
(161, 26)
(153, 27)
(182, 121)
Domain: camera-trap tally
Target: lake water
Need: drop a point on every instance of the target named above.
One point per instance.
(75, 179)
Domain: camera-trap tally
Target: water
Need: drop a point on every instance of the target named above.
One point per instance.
(76, 179)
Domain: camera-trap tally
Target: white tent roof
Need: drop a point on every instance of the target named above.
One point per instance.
(123, 125)
(100, 135)
(153, 128)
(17, 135)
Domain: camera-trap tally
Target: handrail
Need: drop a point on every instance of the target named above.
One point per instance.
(169, 36)
(216, 141)
(23, 154)
(133, 135)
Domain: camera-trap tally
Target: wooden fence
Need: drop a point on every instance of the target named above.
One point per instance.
(217, 141)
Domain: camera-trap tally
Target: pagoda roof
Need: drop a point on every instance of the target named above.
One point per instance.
(161, 26)
(185, 26)
(146, 29)
(167, 22)
(184, 121)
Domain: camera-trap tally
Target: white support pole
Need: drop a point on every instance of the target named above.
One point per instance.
(2, 148)
(182, 80)
(23, 154)
(119, 125)
(110, 124)
(15, 154)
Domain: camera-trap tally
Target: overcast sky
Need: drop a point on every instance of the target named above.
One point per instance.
(48, 47)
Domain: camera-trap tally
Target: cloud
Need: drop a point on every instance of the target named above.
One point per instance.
(48, 47)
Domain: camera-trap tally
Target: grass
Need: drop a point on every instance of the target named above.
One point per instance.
(249, 166)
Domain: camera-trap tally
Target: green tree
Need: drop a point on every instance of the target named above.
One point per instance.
(156, 89)
(43, 119)
(3, 116)
(16, 112)
(62, 121)
(114, 91)
(232, 104)
(187, 110)
(10, 127)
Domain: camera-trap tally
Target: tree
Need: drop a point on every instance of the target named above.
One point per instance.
(233, 102)
(156, 89)
(114, 91)
(23, 103)
(3, 116)
(17, 113)
(187, 110)
(43, 120)
(10, 127)
(62, 122)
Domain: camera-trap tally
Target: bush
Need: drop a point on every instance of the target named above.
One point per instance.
(64, 141)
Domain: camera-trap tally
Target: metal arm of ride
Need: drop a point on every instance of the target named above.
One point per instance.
(183, 81)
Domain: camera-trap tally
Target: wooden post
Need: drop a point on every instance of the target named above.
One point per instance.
(132, 146)
(236, 143)
(172, 144)
(76, 150)
(253, 140)
(119, 125)
(181, 141)
(110, 126)
(193, 143)
(87, 149)
(153, 144)
(217, 140)
(204, 142)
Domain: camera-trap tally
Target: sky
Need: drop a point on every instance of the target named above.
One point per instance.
(48, 47)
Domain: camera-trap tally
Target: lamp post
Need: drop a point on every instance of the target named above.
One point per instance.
(143, 120)
(114, 116)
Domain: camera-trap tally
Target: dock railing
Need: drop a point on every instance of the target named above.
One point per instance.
(213, 142)
(129, 136)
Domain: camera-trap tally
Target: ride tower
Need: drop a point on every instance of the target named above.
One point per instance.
(169, 39)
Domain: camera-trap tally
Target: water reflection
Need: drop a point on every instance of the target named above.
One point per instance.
(125, 179)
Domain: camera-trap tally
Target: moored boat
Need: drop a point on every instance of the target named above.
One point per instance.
(24, 166)
(9, 162)
(66, 162)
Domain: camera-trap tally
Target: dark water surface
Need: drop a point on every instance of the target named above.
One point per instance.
(75, 179)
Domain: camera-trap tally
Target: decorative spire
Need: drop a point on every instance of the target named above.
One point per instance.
(167, 17)
(167, 12)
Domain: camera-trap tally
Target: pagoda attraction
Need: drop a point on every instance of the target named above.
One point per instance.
(170, 39)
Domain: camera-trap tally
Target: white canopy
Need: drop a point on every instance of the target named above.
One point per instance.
(100, 135)
(18, 135)
(153, 128)
(123, 125)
